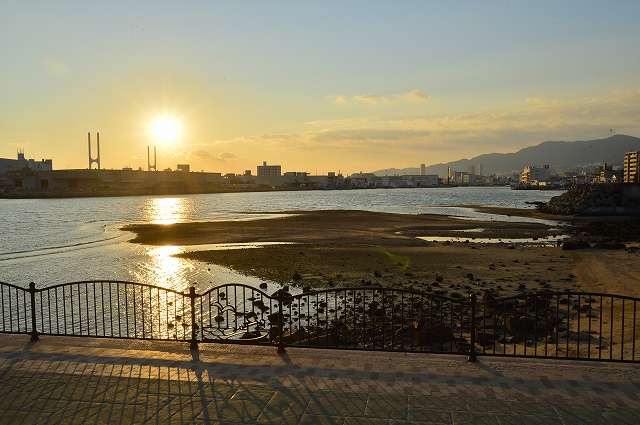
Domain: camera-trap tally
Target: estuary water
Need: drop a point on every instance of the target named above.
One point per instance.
(52, 241)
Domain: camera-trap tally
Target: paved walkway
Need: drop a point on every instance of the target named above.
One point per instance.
(60, 380)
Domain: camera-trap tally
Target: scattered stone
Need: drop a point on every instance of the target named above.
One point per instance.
(610, 246)
(571, 244)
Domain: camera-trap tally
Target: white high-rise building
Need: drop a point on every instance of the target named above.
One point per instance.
(423, 170)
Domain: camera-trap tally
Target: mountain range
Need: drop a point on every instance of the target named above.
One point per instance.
(560, 156)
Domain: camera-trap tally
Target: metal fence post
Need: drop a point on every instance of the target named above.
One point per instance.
(194, 337)
(472, 350)
(280, 322)
(34, 331)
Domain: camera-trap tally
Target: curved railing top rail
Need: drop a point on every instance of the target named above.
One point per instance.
(561, 293)
(236, 285)
(124, 282)
(14, 286)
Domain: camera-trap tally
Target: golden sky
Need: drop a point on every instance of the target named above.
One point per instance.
(312, 86)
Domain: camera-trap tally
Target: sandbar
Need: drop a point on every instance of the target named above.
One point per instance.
(355, 248)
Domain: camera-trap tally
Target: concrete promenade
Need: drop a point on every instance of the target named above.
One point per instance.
(60, 380)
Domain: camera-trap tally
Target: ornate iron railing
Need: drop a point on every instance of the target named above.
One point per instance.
(568, 325)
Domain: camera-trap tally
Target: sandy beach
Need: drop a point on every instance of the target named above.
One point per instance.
(353, 248)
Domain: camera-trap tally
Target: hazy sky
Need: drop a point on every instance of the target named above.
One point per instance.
(312, 86)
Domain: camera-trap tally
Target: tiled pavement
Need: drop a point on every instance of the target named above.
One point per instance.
(61, 380)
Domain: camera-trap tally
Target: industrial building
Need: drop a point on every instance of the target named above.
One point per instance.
(16, 165)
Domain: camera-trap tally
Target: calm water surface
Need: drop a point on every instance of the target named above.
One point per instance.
(51, 241)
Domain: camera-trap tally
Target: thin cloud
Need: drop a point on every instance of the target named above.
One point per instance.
(366, 98)
(336, 99)
(339, 100)
(413, 96)
(225, 156)
(372, 99)
(201, 154)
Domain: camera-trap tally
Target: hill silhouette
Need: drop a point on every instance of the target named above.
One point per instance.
(558, 155)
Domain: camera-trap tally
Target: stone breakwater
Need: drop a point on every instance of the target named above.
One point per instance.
(604, 198)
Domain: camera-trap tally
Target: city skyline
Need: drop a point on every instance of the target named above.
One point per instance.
(313, 87)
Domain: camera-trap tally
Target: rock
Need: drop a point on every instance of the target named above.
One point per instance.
(273, 318)
(582, 336)
(519, 325)
(487, 296)
(296, 277)
(610, 245)
(543, 327)
(431, 332)
(439, 278)
(537, 302)
(255, 335)
(292, 336)
(263, 285)
(377, 273)
(570, 244)
(286, 296)
(490, 323)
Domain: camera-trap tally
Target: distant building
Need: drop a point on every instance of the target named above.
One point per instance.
(423, 170)
(183, 167)
(539, 174)
(631, 167)
(7, 165)
(480, 170)
(269, 170)
(425, 180)
(468, 178)
(471, 169)
(458, 176)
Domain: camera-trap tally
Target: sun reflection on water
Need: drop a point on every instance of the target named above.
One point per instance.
(163, 269)
(167, 210)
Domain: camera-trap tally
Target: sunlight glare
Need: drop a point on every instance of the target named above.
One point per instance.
(164, 269)
(164, 129)
(166, 210)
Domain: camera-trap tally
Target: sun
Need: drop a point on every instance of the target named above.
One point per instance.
(164, 129)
